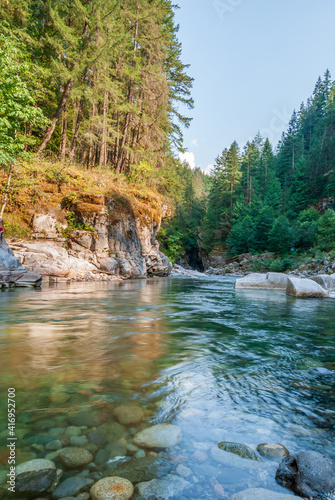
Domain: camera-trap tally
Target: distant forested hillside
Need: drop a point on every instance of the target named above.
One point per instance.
(260, 199)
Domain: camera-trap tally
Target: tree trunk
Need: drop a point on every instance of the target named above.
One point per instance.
(62, 148)
(76, 131)
(7, 189)
(103, 151)
(61, 105)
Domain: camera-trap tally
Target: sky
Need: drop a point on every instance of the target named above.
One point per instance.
(254, 62)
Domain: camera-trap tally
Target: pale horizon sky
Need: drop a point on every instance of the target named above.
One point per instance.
(254, 62)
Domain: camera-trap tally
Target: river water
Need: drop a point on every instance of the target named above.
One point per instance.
(244, 366)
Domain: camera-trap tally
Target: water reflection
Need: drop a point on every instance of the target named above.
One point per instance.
(245, 366)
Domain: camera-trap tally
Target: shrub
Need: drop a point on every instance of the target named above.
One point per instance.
(282, 236)
(326, 231)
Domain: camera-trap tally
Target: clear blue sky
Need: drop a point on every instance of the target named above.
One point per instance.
(254, 62)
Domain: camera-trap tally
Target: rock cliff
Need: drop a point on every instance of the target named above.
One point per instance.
(12, 273)
(97, 235)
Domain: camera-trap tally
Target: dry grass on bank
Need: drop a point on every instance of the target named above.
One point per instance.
(39, 182)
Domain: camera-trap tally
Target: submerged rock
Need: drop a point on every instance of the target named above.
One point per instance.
(142, 469)
(71, 487)
(307, 473)
(158, 436)
(116, 488)
(36, 483)
(128, 415)
(169, 487)
(260, 494)
(239, 449)
(305, 288)
(75, 457)
(272, 450)
(35, 465)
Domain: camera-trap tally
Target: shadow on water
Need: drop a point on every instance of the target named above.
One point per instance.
(244, 366)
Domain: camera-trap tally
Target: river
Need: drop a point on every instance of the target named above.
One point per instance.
(244, 366)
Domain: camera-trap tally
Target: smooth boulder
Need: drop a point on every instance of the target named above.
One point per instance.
(268, 281)
(170, 487)
(272, 450)
(305, 289)
(239, 449)
(34, 465)
(307, 473)
(158, 436)
(327, 281)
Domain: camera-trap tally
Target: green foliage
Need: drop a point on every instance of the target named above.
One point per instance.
(14, 227)
(18, 109)
(74, 224)
(282, 236)
(242, 236)
(141, 173)
(308, 223)
(326, 231)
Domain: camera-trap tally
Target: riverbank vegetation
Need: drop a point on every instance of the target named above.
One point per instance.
(96, 88)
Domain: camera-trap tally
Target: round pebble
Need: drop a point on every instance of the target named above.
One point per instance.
(112, 487)
(128, 415)
(272, 450)
(75, 457)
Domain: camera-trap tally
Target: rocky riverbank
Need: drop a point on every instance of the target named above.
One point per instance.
(116, 453)
(113, 243)
(241, 265)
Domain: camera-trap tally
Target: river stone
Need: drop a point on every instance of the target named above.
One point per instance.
(97, 439)
(84, 418)
(307, 473)
(325, 280)
(305, 289)
(272, 450)
(59, 397)
(54, 445)
(35, 483)
(239, 449)
(116, 488)
(142, 469)
(260, 494)
(75, 457)
(72, 486)
(35, 465)
(102, 457)
(158, 436)
(78, 441)
(116, 449)
(128, 415)
(25, 456)
(71, 431)
(170, 487)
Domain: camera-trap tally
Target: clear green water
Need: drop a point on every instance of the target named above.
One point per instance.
(224, 365)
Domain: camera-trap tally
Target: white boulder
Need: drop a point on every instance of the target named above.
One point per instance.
(305, 288)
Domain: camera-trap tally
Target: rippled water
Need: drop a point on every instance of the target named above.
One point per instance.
(224, 365)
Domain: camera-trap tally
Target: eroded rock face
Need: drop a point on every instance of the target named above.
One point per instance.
(12, 272)
(307, 473)
(117, 241)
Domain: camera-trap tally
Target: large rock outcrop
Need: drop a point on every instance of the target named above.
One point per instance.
(272, 281)
(12, 272)
(105, 235)
(305, 289)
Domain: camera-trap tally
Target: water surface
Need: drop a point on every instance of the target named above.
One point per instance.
(224, 365)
